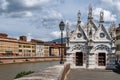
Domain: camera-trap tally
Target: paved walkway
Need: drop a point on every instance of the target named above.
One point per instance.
(78, 74)
(51, 73)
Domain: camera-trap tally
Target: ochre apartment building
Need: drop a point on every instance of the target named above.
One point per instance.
(8, 46)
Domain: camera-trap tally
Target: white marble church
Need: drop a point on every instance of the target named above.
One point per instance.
(91, 46)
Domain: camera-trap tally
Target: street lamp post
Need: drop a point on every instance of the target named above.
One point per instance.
(61, 26)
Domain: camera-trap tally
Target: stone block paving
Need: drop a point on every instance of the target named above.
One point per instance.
(78, 74)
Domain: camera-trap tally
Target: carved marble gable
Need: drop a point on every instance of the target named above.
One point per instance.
(102, 34)
(78, 34)
(90, 29)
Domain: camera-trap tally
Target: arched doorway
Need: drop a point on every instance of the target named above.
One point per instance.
(101, 59)
(79, 59)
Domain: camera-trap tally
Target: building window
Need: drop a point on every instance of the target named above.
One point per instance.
(118, 37)
(20, 50)
(9, 53)
(33, 50)
(20, 46)
(118, 47)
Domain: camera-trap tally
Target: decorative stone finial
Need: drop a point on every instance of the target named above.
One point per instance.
(101, 16)
(67, 33)
(79, 14)
(90, 12)
(113, 24)
(67, 29)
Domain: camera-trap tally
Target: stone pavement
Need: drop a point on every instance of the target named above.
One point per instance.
(78, 74)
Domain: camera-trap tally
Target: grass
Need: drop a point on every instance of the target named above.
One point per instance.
(21, 74)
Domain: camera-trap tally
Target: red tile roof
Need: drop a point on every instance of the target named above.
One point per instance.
(37, 41)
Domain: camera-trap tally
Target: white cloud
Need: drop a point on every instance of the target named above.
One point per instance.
(108, 16)
(45, 39)
(57, 34)
(28, 14)
(55, 14)
(4, 4)
(48, 18)
(23, 6)
(114, 3)
(32, 3)
(20, 14)
(51, 14)
(29, 37)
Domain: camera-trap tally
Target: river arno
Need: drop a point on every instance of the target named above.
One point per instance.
(9, 71)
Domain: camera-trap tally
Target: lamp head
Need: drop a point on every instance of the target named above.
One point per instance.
(61, 25)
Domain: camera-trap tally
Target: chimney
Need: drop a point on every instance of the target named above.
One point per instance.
(3, 35)
(23, 38)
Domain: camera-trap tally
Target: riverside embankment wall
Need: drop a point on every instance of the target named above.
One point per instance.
(4, 60)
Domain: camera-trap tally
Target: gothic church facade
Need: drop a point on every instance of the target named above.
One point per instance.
(91, 46)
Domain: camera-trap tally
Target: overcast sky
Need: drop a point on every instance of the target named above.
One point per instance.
(39, 19)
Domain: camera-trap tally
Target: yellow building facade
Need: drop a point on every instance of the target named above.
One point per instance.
(27, 49)
(46, 50)
(8, 46)
(14, 47)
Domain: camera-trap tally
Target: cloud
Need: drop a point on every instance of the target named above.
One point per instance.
(114, 3)
(108, 16)
(22, 7)
(32, 3)
(57, 34)
(4, 4)
(38, 17)
(20, 14)
(41, 11)
(47, 18)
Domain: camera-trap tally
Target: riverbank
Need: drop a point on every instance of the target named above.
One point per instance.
(57, 72)
(13, 60)
(9, 71)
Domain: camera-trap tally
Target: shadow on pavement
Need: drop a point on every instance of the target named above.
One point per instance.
(116, 71)
(117, 68)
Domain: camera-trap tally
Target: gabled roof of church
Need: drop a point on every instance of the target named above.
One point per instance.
(81, 29)
(90, 31)
(91, 21)
(101, 33)
(104, 29)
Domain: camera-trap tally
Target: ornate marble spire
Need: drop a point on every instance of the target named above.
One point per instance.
(67, 33)
(90, 12)
(112, 30)
(67, 29)
(79, 14)
(101, 16)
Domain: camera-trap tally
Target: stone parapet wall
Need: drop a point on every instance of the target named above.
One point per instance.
(4, 60)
